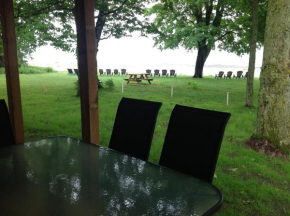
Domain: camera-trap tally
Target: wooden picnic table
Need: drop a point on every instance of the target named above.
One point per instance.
(138, 77)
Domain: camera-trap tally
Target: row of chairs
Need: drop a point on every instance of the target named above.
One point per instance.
(229, 74)
(192, 142)
(115, 72)
(164, 72)
(73, 71)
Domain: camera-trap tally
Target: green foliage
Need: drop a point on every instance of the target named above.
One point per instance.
(51, 22)
(251, 183)
(193, 85)
(205, 25)
(122, 17)
(110, 84)
(31, 70)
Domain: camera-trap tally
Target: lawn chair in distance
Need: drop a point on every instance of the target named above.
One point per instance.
(229, 75)
(172, 73)
(239, 75)
(219, 75)
(116, 72)
(156, 73)
(148, 71)
(246, 75)
(70, 71)
(164, 73)
(123, 72)
(108, 72)
(76, 71)
(101, 71)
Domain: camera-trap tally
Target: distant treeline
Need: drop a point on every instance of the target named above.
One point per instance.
(31, 70)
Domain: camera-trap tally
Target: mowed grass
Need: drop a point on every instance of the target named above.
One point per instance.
(252, 183)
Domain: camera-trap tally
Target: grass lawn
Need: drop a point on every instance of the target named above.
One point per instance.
(252, 183)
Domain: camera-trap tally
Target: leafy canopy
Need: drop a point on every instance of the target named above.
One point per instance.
(189, 23)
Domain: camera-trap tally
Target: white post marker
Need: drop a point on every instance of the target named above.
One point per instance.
(172, 91)
(228, 97)
(122, 87)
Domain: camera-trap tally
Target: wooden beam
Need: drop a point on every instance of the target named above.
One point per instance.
(87, 64)
(11, 68)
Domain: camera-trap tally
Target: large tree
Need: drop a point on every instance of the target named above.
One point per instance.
(51, 22)
(273, 121)
(259, 9)
(199, 24)
(39, 23)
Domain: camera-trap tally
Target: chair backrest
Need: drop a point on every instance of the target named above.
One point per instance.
(239, 73)
(164, 72)
(229, 74)
(123, 71)
(221, 73)
(246, 75)
(6, 131)
(193, 140)
(148, 71)
(108, 71)
(76, 71)
(172, 72)
(134, 127)
(116, 71)
(156, 72)
(70, 71)
(101, 71)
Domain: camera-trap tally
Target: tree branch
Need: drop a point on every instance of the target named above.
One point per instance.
(118, 8)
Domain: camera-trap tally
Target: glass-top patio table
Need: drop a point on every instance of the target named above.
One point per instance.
(66, 176)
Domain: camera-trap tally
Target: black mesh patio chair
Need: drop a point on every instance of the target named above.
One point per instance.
(156, 73)
(108, 72)
(246, 75)
(70, 71)
(164, 73)
(134, 127)
(116, 72)
(76, 71)
(192, 142)
(219, 75)
(172, 73)
(101, 71)
(148, 71)
(6, 132)
(239, 75)
(228, 75)
(123, 72)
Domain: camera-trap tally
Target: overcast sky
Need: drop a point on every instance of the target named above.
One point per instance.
(137, 54)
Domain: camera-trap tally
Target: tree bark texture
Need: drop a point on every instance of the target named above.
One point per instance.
(273, 120)
(99, 28)
(202, 54)
(11, 68)
(252, 58)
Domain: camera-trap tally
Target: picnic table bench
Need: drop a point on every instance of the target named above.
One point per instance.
(138, 77)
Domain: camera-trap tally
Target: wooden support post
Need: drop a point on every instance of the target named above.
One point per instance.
(11, 68)
(87, 66)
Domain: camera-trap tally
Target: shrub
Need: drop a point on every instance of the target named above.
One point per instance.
(31, 70)
(110, 84)
(193, 85)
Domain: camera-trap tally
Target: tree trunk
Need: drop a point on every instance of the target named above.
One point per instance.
(252, 58)
(203, 52)
(99, 28)
(273, 121)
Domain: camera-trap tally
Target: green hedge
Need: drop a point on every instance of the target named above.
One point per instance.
(31, 70)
